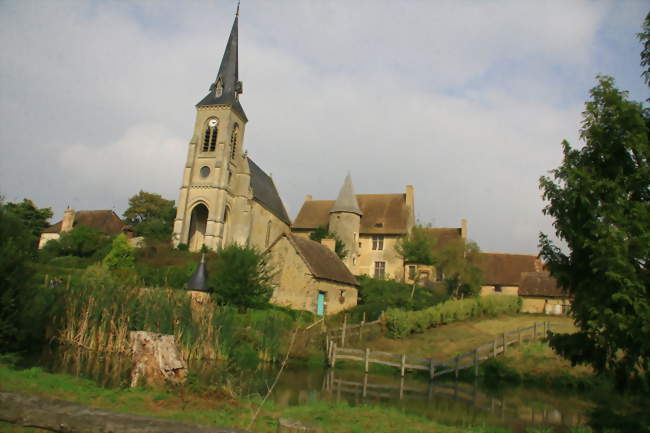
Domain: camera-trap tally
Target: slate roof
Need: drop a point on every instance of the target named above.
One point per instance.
(106, 221)
(347, 200)
(382, 214)
(540, 284)
(229, 76)
(265, 192)
(505, 269)
(322, 262)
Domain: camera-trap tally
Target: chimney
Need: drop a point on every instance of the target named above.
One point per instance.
(409, 196)
(463, 229)
(308, 197)
(329, 243)
(68, 220)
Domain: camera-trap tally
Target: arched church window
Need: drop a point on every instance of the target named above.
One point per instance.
(268, 234)
(233, 141)
(210, 137)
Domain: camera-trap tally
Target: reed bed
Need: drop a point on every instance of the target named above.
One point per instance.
(98, 312)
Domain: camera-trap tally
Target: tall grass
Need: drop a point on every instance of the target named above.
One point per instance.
(98, 312)
(401, 323)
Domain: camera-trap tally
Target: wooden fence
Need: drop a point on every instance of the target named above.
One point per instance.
(436, 368)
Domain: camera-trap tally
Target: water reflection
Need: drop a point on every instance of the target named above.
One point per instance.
(447, 402)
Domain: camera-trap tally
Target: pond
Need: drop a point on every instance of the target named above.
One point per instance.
(448, 402)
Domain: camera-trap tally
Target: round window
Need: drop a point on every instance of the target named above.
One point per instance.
(205, 171)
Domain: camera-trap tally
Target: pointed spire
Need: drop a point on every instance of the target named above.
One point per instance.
(347, 200)
(199, 279)
(226, 88)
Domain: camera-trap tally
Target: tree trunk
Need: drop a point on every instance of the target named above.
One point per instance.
(156, 359)
(65, 417)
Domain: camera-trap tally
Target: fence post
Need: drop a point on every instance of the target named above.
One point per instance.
(456, 361)
(503, 339)
(535, 331)
(432, 368)
(345, 321)
(494, 349)
(366, 361)
(403, 363)
(333, 354)
(361, 331)
(545, 328)
(475, 362)
(519, 336)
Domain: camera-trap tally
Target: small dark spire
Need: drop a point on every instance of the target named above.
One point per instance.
(237, 13)
(199, 279)
(226, 87)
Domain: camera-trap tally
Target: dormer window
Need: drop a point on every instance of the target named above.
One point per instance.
(218, 88)
(233, 141)
(210, 137)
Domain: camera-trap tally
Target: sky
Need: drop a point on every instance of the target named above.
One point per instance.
(468, 101)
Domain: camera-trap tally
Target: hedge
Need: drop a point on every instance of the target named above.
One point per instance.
(401, 323)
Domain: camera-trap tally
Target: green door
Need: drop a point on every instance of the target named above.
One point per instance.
(320, 305)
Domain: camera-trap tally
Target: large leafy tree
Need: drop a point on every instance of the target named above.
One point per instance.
(241, 276)
(417, 246)
(151, 215)
(34, 219)
(459, 262)
(644, 37)
(599, 200)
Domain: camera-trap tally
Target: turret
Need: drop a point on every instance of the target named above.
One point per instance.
(345, 221)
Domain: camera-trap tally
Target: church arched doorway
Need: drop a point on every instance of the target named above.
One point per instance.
(198, 224)
(225, 237)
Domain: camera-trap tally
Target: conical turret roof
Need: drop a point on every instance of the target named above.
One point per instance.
(347, 200)
(199, 279)
(226, 87)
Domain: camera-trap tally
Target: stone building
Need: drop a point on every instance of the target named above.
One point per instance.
(310, 276)
(106, 221)
(368, 224)
(225, 197)
(502, 271)
(540, 294)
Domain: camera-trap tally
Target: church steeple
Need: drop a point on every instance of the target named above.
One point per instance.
(226, 88)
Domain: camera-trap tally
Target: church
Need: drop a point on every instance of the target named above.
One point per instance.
(225, 197)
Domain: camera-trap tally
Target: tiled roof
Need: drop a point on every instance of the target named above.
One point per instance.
(265, 192)
(444, 235)
(106, 221)
(540, 284)
(506, 269)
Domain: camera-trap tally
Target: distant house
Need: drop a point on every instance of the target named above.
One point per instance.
(106, 221)
(502, 271)
(541, 294)
(310, 276)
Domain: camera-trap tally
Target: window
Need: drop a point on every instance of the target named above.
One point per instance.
(380, 270)
(498, 289)
(229, 177)
(210, 137)
(268, 233)
(354, 260)
(233, 141)
(411, 272)
(378, 242)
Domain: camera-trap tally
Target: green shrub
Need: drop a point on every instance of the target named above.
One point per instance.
(121, 255)
(401, 323)
(493, 370)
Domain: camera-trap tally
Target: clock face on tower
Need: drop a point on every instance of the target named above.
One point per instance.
(212, 123)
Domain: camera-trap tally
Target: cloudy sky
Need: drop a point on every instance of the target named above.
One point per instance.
(466, 100)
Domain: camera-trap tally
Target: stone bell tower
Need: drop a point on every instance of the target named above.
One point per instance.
(214, 202)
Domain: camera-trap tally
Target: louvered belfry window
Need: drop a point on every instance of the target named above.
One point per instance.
(233, 141)
(210, 137)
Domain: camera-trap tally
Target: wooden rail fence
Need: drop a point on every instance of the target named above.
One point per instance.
(437, 368)
(346, 333)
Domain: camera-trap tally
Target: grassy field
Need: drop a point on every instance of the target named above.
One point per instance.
(215, 407)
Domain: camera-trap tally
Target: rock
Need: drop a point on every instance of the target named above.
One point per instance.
(156, 359)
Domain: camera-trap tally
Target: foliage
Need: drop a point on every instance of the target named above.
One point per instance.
(322, 232)
(644, 37)
(379, 295)
(241, 276)
(458, 260)
(401, 323)
(15, 251)
(150, 215)
(82, 241)
(34, 219)
(417, 246)
(121, 255)
(599, 200)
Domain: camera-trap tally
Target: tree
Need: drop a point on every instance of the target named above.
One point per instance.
(121, 255)
(417, 246)
(599, 200)
(82, 241)
(150, 215)
(644, 37)
(458, 260)
(15, 251)
(323, 232)
(34, 219)
(241, 276)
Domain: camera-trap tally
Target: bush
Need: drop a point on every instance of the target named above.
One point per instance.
(121, 254)
(401, 323)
